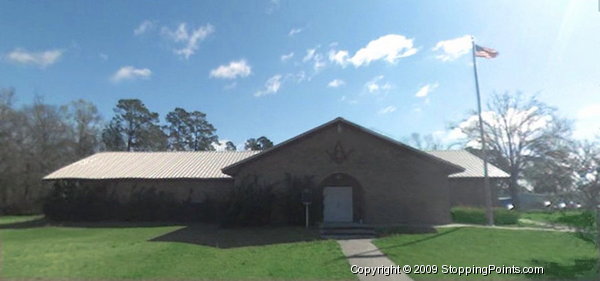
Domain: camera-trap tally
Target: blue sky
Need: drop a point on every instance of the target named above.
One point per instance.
(278, 68)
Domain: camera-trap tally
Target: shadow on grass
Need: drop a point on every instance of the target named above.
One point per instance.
(38, 222)
(581, 269)
(214, 236)
(431, 237)
(43, 222)
(405, 229)
(193, 233)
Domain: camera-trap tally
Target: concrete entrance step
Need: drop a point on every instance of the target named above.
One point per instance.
(346, 231)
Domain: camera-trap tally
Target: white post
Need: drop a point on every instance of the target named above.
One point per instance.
(306, 214)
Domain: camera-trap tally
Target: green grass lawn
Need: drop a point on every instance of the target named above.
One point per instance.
(168, 252)
(563, 255)
(152, 251)
(573, 218)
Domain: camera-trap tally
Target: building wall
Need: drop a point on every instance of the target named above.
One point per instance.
(470, 191)
(398, 186)
(181, 189)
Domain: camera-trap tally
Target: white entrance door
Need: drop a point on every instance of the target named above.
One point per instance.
(337, 204)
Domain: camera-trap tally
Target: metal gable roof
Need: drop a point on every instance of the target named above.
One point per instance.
(473, 165)
(151, 165)
(214, 164)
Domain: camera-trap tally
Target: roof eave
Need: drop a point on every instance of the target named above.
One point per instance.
(478, 177)
(135, 178)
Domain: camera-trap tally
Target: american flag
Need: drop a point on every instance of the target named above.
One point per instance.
(484, 52)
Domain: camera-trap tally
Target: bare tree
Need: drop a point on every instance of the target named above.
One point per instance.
(10, 135)
(519, 130)
(585, 162)
(45, 144)
(85, 120)
(425, 142)
(35, 140)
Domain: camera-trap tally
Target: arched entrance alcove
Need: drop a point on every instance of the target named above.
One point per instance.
(342, 199)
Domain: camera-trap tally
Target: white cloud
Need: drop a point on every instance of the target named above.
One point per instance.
(450, 137)
(389, 48)
(589, 111)
(387, 109)
(130, 73)
(425, 90)
(144, 27)
(336, 83)
(233, 70)
(310, 54)
(272, 86)
(453, 48)
(272, 6)
(299, 77)
(286, 57)
(220, 145)
(317, 59)
(348, 100)
(319, 62)
(586, 125)
(377, 85)
(339, 57)
(295, 31)
(189, 39)
(103, 56)
(514, 118)
(41, 59)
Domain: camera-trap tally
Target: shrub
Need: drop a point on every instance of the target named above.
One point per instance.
(584, 219)
(473, 215)
(291, 203)
(251, 203)
(71, 202)
(504, 216)
(468, 215)
(248, 204)
(255, 203)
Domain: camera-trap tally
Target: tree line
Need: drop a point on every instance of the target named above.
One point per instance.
(135, 128)
(38, 138)
(527, 138)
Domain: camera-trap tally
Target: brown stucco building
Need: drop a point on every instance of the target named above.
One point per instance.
(362, 176)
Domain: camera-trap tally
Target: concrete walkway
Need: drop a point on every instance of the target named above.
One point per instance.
(362, 253)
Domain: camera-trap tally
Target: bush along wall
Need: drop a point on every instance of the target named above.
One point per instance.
(292, 203)
(248, 204)
(70, 202)
(251, 203)
(473, 215)
(256, 203)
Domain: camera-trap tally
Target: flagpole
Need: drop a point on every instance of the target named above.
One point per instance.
(489, 214)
